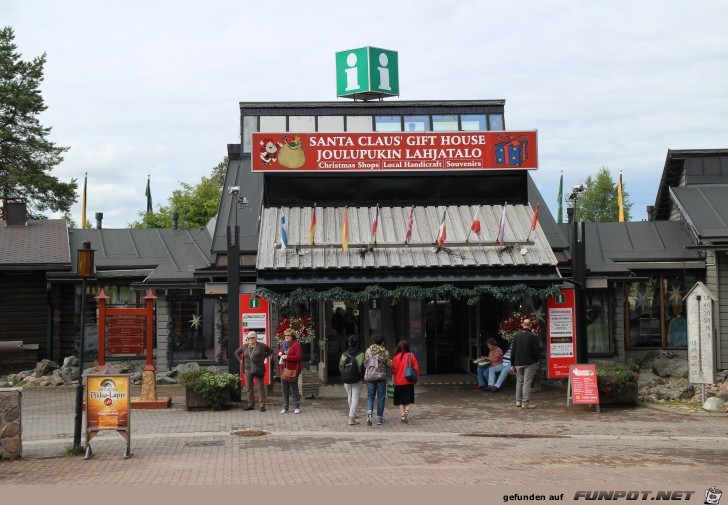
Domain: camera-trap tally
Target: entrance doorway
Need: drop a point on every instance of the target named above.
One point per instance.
(440, 336)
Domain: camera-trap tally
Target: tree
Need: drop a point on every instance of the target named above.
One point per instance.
(599, 202)
(26, 155)
(196, 204)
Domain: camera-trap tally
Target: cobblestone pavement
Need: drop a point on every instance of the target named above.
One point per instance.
(457, 435)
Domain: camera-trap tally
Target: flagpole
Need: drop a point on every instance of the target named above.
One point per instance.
(408, 233)
(83, 207)
(533, 224)
(477, 213)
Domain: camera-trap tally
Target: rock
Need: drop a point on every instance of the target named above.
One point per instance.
(649, 380)
(44, 367)
(187, 367)
(166, 380)
(677, 368)
(70, 361)
(673, 390)
(69, 373)
(56, 379)
(714, 404)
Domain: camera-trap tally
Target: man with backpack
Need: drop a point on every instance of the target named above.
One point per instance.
(351, 366)
(376, 363)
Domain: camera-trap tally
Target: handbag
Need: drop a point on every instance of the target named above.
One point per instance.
(409, 372)
(289, 375)
(257, 370)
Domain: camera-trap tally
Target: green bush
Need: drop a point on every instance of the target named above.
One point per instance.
(612, 379)
(210, 386)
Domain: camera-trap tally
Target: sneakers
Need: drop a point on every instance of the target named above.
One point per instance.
(262, 409)
(518, 404)
(353, 421)
(285, 411)
(479, 387)
(249, 407)
(297, 411)
(369, 420)
(405, 417)
(380, 421)
(528, 406)
(494, 389)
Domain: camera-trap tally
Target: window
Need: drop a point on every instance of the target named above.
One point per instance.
(388, 123)
(495, 122)
(445, 123)
(358, 123)
(597, 321)
(191, 328)
(273, 124)
(417, 124)
(331, 123)
(656, 310)
(473, 122)
(302, 124)
(250, 125)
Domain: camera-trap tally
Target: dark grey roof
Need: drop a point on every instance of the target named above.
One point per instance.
(251, 187)
(545, 219)
(689, 166)
(390, 252)
(613, 249)
(705, 208)
(39, 245)
(156, 255)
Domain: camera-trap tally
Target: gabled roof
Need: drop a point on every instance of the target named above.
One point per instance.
(689, 166)
(39, 245)
(153, 256)
(390, 252)
(613, 249)
(705, 208)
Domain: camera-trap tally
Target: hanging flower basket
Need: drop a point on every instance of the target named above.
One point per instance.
(303, 328)
(512, 325)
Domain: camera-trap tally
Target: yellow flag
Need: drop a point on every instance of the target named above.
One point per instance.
(83, 203)
(345, 231)
(620, 200)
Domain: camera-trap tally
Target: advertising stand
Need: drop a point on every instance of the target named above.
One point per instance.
(108, 408)
(583, 388)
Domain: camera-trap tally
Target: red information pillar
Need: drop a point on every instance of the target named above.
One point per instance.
(255, 316)
(561, 340)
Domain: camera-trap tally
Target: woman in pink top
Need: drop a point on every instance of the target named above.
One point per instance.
(404, 390)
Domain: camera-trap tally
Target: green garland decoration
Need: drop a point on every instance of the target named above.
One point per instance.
(512, 293)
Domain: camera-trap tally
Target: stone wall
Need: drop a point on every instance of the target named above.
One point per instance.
(11, 428)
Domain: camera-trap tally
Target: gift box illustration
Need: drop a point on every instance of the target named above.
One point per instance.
(511, 149)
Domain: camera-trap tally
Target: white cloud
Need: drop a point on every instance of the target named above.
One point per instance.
(139, 88)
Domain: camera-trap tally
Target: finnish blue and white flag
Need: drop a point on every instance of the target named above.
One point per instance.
(284, 234)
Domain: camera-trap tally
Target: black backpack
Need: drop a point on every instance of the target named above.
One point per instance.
(351, 373)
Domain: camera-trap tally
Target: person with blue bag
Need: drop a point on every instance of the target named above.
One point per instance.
(405, 372)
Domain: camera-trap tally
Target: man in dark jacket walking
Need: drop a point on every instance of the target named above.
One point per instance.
(525, 355)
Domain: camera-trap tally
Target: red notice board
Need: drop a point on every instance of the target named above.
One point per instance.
(255, 316)
(561, 344)
(583, 384)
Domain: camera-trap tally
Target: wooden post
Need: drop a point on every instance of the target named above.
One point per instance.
(149, 366)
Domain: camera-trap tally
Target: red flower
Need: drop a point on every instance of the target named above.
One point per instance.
(303, 328)
(512, 325)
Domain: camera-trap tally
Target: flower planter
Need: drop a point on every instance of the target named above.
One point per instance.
(194, 401)
(626, 395)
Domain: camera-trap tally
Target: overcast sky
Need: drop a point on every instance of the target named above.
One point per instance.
(152, 87)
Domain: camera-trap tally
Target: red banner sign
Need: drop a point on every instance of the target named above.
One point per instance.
(491, 150)
(583, 383)
(255, 316)
(561, 344)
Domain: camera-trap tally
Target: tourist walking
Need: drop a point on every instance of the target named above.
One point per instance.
(525, 355)
(351, 366)
(376, 363)
(404, 388)
(252, 356)
(290, 356)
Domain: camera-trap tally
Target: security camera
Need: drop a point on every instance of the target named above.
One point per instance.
(234, 190)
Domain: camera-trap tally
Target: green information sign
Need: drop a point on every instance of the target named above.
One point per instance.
(367, 73)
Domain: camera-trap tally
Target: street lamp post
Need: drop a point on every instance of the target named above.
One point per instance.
(578, 190)
(84, 268)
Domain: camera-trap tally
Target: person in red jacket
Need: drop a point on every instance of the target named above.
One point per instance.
(404, 390)
(290, 356)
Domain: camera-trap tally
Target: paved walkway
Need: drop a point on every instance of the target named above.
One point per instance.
(456, 436)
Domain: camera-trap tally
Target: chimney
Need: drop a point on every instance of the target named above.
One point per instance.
(570, 214)
(99, 218)
(650, 212)
(16, 212)
(175, 220)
